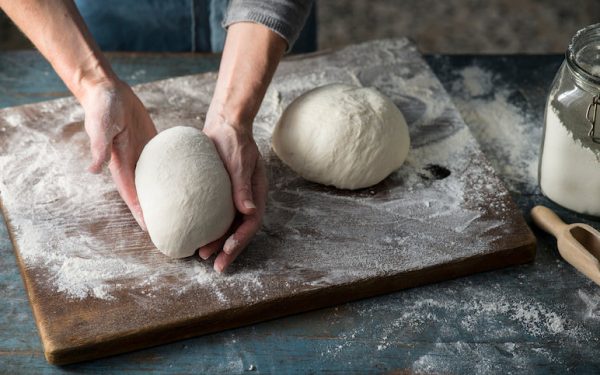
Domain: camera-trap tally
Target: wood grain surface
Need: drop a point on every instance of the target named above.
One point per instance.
(442, 215)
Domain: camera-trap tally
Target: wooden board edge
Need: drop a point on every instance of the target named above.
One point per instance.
(37, 316)
(303, 302)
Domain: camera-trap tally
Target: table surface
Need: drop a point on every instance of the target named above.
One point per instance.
(543, 317)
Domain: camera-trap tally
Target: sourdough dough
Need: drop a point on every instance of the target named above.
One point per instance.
(341, 135)
(184, 191)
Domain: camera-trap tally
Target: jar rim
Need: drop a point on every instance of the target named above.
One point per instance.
(581, 38)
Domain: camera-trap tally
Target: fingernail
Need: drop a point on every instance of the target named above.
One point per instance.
(249, 204)
(93, 169)
(230, 245)
(203, 255)
(219, 269)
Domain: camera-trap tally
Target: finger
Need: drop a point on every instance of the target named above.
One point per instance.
(209, 249)
(237, 242)
(242, 191)
(260, 186)
(248, 225)
(124, 176)
(217, 245)
(101, 148)
(101, 151)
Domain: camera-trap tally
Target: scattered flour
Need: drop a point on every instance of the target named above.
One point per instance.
(592, 304)
(469, 322)
(476, 81)
(533, 317)
(81, 277)
(500, 126)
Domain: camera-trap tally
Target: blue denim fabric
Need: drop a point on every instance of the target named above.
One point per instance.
(167, 26)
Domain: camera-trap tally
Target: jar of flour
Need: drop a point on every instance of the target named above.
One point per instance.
(569, 170)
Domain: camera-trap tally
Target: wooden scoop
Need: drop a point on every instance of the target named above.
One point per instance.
(578, 244)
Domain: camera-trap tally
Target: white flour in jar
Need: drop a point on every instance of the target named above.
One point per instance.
(569, 172)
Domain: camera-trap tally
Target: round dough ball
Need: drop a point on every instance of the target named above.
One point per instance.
(184, 191)
(341, 135)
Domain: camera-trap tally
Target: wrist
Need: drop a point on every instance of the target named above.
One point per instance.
(94, 72)
(237, 114)
(222, 122)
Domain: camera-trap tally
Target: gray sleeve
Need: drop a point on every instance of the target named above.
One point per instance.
(284, 17)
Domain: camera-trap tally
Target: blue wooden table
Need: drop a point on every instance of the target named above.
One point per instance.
(542, 317)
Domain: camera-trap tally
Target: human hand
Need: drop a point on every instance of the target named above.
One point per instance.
(119, 127)
(115, 120)
(246, 169)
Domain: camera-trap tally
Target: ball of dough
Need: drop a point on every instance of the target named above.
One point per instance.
(341, 135)
(184, 191)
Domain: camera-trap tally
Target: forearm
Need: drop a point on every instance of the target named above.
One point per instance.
(56, 28)
(284, 17)
(250, 58)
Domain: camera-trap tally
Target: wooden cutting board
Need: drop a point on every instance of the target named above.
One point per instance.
(97, 285)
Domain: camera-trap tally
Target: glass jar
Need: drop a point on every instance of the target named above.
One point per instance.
(569, 169)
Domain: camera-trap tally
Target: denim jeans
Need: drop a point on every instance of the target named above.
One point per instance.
(167, 26)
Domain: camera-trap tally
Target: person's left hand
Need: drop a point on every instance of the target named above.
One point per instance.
(246, 169)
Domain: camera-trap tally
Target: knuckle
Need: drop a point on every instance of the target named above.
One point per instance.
(243, 187)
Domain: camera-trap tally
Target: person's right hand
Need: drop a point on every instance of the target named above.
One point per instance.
(239, 152)
(119, 127)
(115, 120)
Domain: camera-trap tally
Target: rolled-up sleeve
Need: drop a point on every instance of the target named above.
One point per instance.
(284, 17)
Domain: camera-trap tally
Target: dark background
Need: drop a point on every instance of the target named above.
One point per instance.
(449, 26)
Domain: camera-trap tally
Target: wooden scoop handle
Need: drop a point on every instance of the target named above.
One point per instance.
(546, 219)
(580, 251)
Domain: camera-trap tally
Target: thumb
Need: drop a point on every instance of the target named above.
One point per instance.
(242, 193)
(101, 150)
(136, 212)
(100, 143)
(124, 176)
